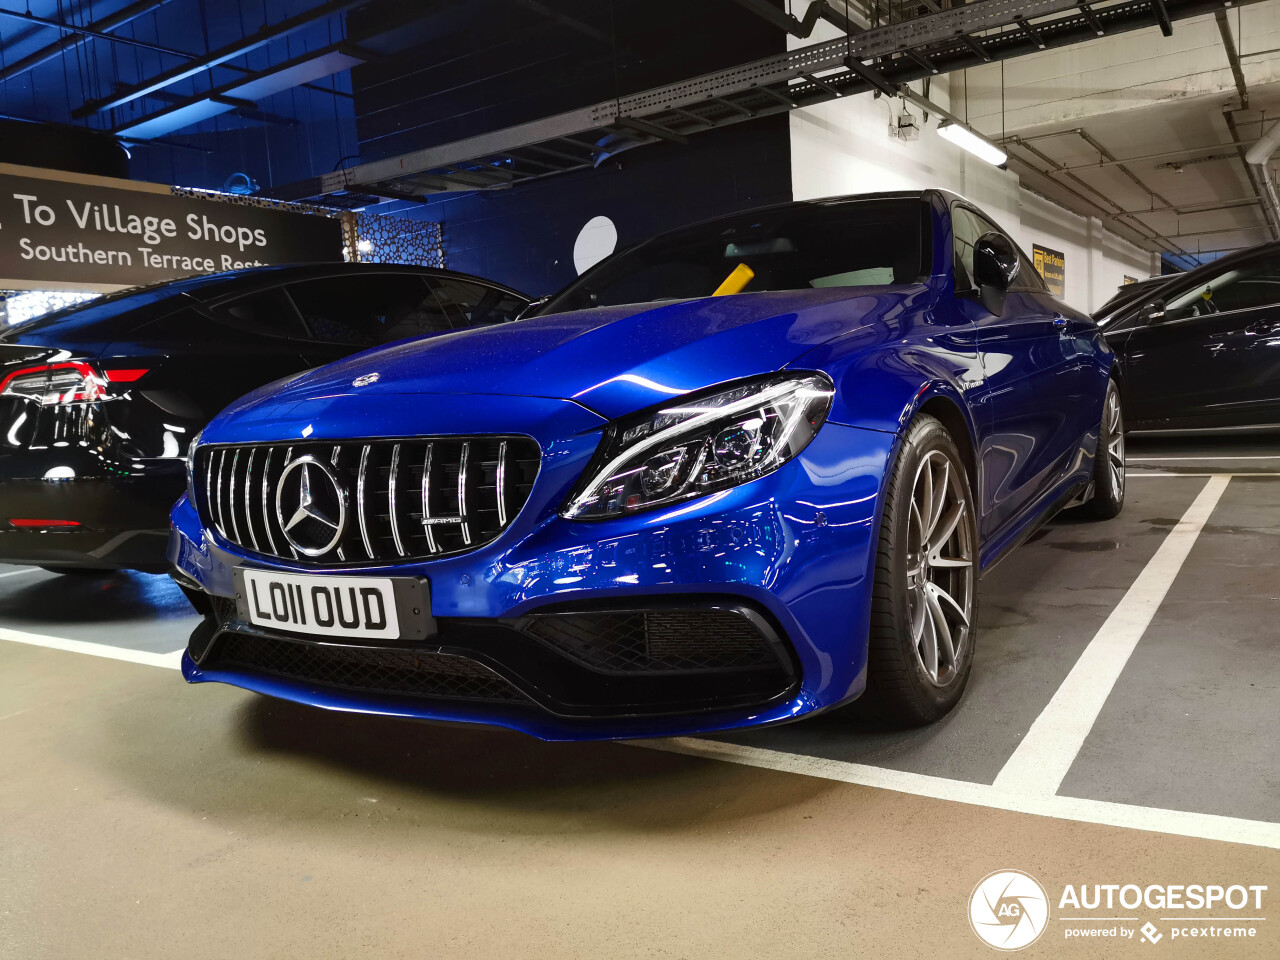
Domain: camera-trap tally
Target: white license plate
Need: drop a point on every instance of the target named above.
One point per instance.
(363, 607)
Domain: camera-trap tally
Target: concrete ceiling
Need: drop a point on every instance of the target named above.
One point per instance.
(1184, 180)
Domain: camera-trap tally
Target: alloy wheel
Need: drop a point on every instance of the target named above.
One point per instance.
(1115, 440)
(940, 569)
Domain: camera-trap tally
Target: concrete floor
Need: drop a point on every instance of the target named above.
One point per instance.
(143, 818)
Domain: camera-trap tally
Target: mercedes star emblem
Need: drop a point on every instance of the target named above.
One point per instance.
(311, 506)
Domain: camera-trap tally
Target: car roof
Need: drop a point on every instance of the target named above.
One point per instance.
(216, 285)
(162, 298)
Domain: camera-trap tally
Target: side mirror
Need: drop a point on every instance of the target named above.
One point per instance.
(995, 262)
(995, 267)
(1153, 312)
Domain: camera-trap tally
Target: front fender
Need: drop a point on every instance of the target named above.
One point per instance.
(882, 386)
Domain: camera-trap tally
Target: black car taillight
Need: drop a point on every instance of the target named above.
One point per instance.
(71, 382)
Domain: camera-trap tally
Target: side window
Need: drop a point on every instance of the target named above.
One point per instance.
(473, 304)
(965, 231)
(1028, 276)
(1256, 285)
(267, 313)
(368, 309)
(1246, 286)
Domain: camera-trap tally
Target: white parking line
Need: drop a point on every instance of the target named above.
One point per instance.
(1130, 475)
(172, 661)
(19, 573)
(1205, 826)
(1046, 753)
(1173, 459)
(1070, 716)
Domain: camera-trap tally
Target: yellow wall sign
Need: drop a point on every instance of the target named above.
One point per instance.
(1052, 265)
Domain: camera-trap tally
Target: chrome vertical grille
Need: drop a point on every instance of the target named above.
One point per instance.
(408, 499)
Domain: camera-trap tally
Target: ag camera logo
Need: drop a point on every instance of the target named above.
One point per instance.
(1008, 910)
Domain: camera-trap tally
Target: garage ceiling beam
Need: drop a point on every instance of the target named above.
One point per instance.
(1162, 17)
(1233, 58)
(268, 34)
(872, 76)
(241, 93)
(1093, 19)
(90, 32)
(805, 76)
(103, 26)
(1030, 31)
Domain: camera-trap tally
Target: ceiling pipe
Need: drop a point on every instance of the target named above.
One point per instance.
(1256, 157)
(1255, 166)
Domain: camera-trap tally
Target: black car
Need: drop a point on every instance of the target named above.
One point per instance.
(99, 402)
(1203, 350)
(1129, 293)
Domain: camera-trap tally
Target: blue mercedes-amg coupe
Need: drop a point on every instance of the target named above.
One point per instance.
(742, 472)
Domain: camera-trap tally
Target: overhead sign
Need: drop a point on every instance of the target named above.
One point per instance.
(61, 231)
(1052, 265)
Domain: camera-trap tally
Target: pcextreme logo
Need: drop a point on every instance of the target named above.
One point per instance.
(1008, 910)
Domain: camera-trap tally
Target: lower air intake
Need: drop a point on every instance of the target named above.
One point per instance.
(658, 641)
(373, 670)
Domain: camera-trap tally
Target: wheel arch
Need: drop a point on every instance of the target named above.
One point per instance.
(945, 410)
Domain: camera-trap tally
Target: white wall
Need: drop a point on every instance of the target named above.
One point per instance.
(1097, 260)
(843, 147)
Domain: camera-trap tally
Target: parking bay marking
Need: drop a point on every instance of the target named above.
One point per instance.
(172, 661)
(1046, 753)
(1199, 825)
(1222, 457)
(20, 573)
(1203, 826)
(1002, 797)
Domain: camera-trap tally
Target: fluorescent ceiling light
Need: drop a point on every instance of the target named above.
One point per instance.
(966, 139)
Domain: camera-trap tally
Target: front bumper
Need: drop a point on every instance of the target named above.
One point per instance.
(793, 551)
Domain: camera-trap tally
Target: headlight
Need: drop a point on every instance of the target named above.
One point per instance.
(701, 444)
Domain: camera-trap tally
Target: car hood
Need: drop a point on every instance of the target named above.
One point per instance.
(611, 360)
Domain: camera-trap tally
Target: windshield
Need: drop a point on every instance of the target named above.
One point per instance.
(856, 243)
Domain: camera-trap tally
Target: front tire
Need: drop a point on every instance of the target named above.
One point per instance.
(925, 597)
(1108, 462)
